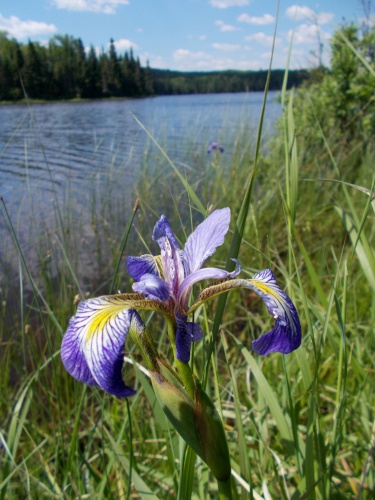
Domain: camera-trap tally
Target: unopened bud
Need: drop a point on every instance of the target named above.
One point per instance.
(196, 420)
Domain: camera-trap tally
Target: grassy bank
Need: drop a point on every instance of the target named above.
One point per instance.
(299, 426)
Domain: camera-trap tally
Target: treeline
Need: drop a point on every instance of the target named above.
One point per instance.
(175, 82)
(63, 69)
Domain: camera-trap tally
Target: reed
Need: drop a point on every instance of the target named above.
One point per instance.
(301, 426)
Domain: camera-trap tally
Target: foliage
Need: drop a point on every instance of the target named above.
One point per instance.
(63, 70)
(176, 82)
(340, 106)
(302, 427)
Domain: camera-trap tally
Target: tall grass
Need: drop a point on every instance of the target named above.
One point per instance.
(300, 426)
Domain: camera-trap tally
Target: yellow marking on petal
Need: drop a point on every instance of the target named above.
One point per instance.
(159, 265)
(100, 318)
(114, 305)
(266, 289)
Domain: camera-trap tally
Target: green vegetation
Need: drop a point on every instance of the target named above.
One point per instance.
(177, 82)
(299, 427)
(63, 70)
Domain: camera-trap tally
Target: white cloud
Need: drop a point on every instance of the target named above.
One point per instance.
(226, 47)
(226, 27)
(202, 37)
(123, 45)
(202, 61)
(104, 6)
(304, 13)
(265, 19)
(308, 34)
(224, 4)
(262, 38)
(22, 29)
(154, 61)
(180, 55)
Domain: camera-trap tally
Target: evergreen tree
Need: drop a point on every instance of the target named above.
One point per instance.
(114, 76)
(148, 83)
(35, 72)
(92, 77)
(11, 64)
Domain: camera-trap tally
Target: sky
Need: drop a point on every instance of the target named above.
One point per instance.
(188, 35)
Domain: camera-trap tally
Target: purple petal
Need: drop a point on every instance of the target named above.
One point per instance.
(72, 353)
(139, 266)
(286, 336)
(195, 331)
(163, 230)
(171, 255)
(203, 242)
(93, 346)
(277, 340)
(206, 273)
(187, 332)
(183, 338)
(152, 287)
(215, 146)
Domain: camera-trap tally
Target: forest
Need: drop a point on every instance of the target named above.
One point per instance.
(63, 70)
(175, 82)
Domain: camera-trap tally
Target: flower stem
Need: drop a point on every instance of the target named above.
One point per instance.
(225, 489)
(171, 330)
(186, 375)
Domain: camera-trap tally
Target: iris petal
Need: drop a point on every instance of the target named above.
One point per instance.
(139, 266)
(72, 351)
(152, 287)
(171, 255)
(183, 338)
(100, 328)
(195, 331)
(286, 336)
(162, 230)
(203, 274)
(203, 242)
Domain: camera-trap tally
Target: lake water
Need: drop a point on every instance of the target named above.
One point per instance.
(53, 151)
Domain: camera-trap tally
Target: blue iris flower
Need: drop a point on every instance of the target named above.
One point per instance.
(93, 346)
(215, 146)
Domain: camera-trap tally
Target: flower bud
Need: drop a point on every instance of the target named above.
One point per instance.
(197, 421)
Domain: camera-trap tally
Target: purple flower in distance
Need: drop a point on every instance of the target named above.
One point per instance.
(93, 346)
(215, 146)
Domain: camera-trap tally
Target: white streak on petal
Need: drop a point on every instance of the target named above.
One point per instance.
(101, 325)
(72, 354)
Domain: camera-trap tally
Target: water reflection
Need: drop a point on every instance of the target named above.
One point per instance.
(57, 152)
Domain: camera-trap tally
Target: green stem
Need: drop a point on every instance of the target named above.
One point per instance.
(225, 489)
(186, 375)
(171, 330)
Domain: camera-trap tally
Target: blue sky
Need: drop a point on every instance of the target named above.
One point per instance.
(188, 35)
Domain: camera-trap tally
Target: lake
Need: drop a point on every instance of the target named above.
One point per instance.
(51, 152)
